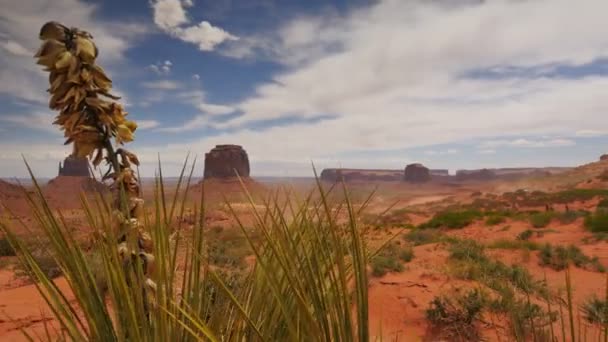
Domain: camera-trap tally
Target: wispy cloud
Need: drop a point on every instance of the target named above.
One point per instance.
(161, 85)
(528, 143)
(170, 16)
(40, 121)
(161, 68)
(590, 133)
(441, 152)
(147, 124)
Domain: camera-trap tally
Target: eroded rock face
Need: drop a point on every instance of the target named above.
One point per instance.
(604, 157)
(225, 161)
(416, 173)
(75, 167)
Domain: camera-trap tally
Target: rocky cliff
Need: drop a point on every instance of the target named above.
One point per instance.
(416, 173)
(225, 161)
(74, 167)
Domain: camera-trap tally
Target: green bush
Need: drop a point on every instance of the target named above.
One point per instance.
(387, 259)
(419, 237)
(452, 219)
(384, 264)
(525, 235)
(541, 220)
(597, 222)
(5, 248)
(495, 220)
(406, 254)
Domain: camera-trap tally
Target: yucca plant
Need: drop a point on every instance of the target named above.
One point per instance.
(308, 283)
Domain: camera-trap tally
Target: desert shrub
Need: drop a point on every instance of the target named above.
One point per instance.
(452, 219)
(558, 258)
(454, 317)
(525, 235)
(406, 254)
(494, 220)
(394, 218)
(387, 259)
(467, 250)
(526, 320)
(5, 248)
(418, 237)
(595, 311)
(597, 222)
(541, 220)
(603, 176)
(47, 263)
(384, 264)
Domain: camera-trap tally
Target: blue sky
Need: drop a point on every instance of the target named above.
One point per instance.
(377, 84)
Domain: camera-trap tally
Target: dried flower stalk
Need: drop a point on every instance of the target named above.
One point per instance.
(94, 123)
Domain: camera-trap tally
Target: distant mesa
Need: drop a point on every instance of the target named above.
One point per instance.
(353, 175)
(74, 167)
(416, 173)
(73, 178)
(604, 157)
(483, 174)
(226, 161)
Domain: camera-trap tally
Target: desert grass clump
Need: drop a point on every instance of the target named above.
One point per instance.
(597, 222)
(452, 219)
(595, 311)
(559, 257)
(525, 235)
(541, 220)
(390, 257)
(418, 237)
(456, 316)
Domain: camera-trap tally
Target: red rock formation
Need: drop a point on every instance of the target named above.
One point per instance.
(75, 167)
(225, 161)
(416, 173)
(604, 157)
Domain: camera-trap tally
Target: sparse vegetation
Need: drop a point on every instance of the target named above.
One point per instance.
(541, 220)
(595, 311)
(559, 257)
(525, 235)
(456, 316)
(597, 222)
(418, 237)
(388, 259)
(452, 219)
(494, 220)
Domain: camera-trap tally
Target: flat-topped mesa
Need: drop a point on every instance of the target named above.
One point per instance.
(416, 173)
(482, 174)
(225, 161)
(75, 167)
